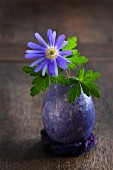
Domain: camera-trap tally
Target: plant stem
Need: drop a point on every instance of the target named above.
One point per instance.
(68, 73)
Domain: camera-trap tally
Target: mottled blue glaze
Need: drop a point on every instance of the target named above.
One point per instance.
(65, 122)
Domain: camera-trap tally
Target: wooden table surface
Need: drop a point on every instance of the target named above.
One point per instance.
(20, 114)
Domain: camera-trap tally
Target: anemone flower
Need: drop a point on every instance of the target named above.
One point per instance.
(49, 55)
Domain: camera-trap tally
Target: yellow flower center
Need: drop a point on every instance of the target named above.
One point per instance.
(51, 53)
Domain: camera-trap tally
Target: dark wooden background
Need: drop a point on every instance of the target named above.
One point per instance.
(20, 114)
(91, 22)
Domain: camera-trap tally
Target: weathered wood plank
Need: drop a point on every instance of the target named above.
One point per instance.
(97, 53)
(55, 2)
(92, 24)
(20, 125)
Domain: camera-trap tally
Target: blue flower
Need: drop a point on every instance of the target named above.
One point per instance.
(49, 56)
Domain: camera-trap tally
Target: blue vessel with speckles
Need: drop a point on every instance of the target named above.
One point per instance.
(67, 123)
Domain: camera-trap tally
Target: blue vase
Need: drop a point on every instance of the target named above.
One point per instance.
(67, 123)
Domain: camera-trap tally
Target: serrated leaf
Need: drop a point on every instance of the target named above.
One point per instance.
(71, 43)
(91, 89)
(62, 79)
(40, 83)
(80, 74)
(78, 60)
(75, 52)
(45, 83)
(71, 81)
(36, 74)
(30, 70)
(85, 90)
(53, 79)
(84, 82)
(88, 82)
(35, 90)
(91, 75)
(37, 80)
(73, 92)
(71, 66)
(27, 69)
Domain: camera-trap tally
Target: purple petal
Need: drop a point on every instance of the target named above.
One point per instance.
(44, 69)
(35, 52)
(41, 65)
(54, 37)
(34, 55)
(61, 63)
(64, 59)
(35, 46)
(37, 61)
(51, 67)
(41, 40)
(66, 52)
(49, 36)
(63, 45)
(56, 68)
(59, 41)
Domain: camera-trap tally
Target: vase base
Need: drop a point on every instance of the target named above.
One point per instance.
(70, 149)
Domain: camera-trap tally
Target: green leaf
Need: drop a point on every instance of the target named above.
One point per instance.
(40, 83)
(91, 89)
(72, 80)
(27, 69)
(38, 80)
(60, 70)
(35, 90)
(80, 74)
(75, 52)
(85, 89)
(74, 91)
(71, 66)
(84, 81)
(45, 83)
(53, 79)
(30, 70)
(78, 60)
(75, 59)
(71, 43)
(91, 75)
(88, 82)
(62, 79)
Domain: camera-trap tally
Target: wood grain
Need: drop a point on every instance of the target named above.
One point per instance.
(20, 125)
(56, 1)
(92, 24)
(16, 52)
